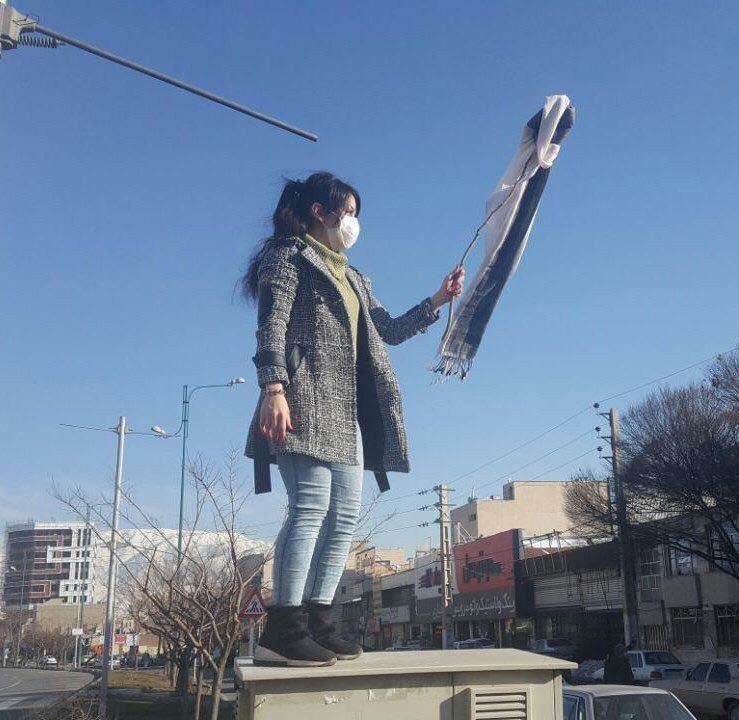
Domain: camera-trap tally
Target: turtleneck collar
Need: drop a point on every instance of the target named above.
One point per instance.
(336, 261)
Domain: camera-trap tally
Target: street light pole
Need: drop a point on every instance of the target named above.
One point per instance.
(110, 597)
(184, 428)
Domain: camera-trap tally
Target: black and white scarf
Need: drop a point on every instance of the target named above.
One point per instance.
(509, 216)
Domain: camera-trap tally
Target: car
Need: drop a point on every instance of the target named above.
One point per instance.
(554, 647)
(648, 665)
(407, 645)
(616, 702)
(474, 644)
(710, 688)
(49, 661)
(93, 661)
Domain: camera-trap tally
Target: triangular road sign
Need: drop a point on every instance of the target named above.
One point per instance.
(253, 607)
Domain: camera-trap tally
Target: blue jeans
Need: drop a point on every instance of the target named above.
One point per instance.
(313, 544)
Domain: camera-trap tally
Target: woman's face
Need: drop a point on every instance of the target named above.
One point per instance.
(331, 218)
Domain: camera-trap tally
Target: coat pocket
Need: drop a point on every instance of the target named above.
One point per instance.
(294, 360)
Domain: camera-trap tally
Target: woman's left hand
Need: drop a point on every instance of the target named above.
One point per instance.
(451, 287)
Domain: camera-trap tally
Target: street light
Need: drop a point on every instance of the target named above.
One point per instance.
(183, 429)
(121, 430)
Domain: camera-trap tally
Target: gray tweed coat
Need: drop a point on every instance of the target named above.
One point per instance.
(304, 341)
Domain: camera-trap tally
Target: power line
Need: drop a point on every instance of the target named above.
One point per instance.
(535, 460)
(564, 464)
(669, 375)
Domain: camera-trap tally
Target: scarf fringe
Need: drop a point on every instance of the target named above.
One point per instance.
(448, 365)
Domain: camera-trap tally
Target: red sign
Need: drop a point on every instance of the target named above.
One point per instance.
(120, 639)
(253, 608)
(485, 579)
(487, 563)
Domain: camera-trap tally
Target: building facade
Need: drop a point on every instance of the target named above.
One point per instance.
(535, 507)
(45, 561)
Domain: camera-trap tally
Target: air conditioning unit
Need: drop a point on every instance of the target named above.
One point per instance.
(503, 684)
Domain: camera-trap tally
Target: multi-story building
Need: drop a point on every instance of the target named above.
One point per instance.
(687, 604)
(44, 561)
(536, 507)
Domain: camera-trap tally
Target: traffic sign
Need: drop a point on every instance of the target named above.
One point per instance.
(76, 631)
(253, 608)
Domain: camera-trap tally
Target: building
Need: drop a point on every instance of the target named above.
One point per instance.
(574, 593)
(45, 561)
(398, 622)
(687, 604)
(358, 598)
(536, 507)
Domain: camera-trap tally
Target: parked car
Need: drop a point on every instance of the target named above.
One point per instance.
(473, 644)
(92, 661)
(615, 702)
(49, 661)
(648, 665)
(710, 688)
(407, 645)
(555, 647)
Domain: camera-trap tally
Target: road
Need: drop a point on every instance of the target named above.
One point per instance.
(33, 689)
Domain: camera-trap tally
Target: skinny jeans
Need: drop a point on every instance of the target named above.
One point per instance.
(314, 542)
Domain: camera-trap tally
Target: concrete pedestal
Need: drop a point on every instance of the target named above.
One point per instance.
(422, 685)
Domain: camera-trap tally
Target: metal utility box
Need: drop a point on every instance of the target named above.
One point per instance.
(406, 685)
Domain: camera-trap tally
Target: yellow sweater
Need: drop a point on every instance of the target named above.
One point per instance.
(336, 264)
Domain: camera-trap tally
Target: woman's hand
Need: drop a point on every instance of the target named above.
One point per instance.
(274, 415)
(451, 287)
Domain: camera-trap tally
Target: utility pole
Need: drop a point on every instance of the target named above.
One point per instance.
(112, 566)
(445, 553)
(626, 547)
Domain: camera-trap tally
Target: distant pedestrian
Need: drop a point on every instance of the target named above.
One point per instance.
(617, 668)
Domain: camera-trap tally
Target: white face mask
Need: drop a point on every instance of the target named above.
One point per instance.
(344, 235)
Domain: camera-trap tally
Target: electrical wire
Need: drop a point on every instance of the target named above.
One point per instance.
(534, 461)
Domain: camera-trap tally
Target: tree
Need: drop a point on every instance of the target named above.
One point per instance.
(680, 475)
(190, 602)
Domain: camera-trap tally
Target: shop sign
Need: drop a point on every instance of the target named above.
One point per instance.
(395, 615)
(484, 573)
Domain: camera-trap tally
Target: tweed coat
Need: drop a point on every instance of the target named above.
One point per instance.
(304, 341)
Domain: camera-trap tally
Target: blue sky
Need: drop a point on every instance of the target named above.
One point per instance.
(128, 209)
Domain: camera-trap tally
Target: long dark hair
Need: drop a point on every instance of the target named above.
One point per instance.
(292, 216)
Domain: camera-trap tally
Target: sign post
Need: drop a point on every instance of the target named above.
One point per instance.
(252, 611)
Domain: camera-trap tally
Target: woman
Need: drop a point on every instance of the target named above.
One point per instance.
(330, 405)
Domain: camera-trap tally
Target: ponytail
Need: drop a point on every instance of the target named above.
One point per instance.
(292, 217)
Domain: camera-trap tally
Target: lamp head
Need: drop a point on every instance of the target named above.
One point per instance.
(159, 432)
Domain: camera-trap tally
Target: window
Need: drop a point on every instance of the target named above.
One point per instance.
(635, 660)
(659, 657)
(687, 626)
(472, 517)
(650, 580)
(681, 562)
(727, 624)
(719, 673)
(639, 707)
(698, 673)
(721, 555)
(574, 708)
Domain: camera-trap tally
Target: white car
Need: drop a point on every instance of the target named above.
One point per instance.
(616, 702)
(648, 665)
(49, 661)
(710, 687)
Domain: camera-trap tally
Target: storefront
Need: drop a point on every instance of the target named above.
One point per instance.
(484, 605)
